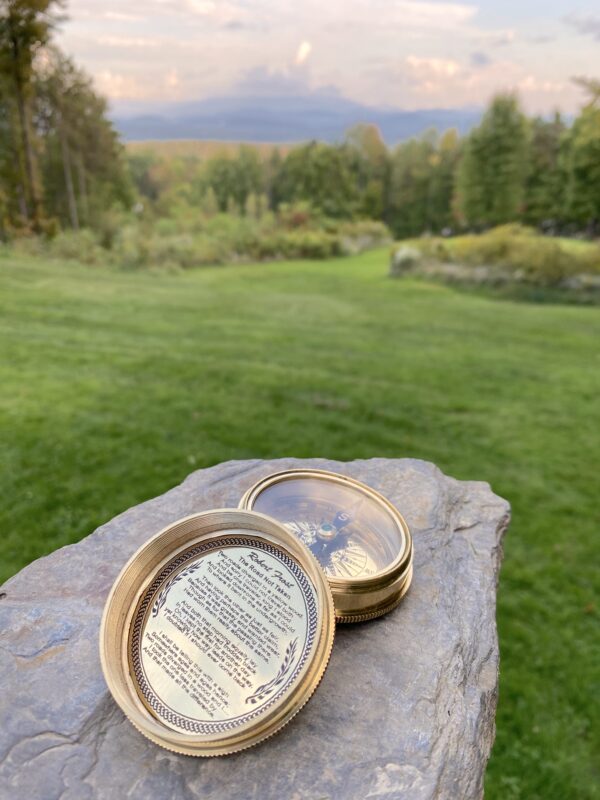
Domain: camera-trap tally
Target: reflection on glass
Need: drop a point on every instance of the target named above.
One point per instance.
(351, 535)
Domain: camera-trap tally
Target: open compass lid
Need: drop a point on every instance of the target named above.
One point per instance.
(359, 538)
(216, 632)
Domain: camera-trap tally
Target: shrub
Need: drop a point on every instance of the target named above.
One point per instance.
(527, 255)
(193, 239)
(167, 227)
(80, 246)
(30, 245)
(130, 248)
(296, 215)
(356, 237)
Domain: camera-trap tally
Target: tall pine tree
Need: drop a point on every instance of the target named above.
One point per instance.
(582, 162)
(492, 173)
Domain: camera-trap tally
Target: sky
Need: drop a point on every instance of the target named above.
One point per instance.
(403, 54)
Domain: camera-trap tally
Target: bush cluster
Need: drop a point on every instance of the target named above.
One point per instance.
(189, 239)
(527, 255)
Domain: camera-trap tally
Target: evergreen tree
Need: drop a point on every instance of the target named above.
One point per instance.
(410, 203)
(581, 159)
(545, 183)
(493, 170)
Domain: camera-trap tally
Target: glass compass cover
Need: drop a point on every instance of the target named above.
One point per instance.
(351, 533)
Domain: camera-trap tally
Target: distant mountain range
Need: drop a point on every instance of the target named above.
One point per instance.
(283, 118)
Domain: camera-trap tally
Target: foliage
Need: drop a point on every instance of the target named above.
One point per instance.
(202, 150)
(321, 175)
(544, 198)
(491, 176)
(117, 385)
(528, 255)
(421, 184)
(370, 164)
(537, 171)
(583, 168)
(60, 160)
(232, 180)
(196, 240)
(83, 163)
(25, 27)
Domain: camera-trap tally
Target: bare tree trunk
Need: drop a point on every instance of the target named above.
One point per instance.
(30, 175)
(22, 201)
(83, 197)
(20, 188)
(68, 172)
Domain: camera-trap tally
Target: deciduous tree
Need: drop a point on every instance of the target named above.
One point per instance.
(25, 27)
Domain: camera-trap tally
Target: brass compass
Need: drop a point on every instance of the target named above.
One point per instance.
(358, 537)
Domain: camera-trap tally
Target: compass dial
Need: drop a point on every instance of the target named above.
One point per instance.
(346, 557)
(358, 537)
(350, 532)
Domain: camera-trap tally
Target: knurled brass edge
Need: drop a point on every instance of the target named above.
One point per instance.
(379, 612)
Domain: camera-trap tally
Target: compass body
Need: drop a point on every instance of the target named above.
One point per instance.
(358, 537)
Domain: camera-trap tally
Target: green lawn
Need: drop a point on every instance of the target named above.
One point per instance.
(116, 385)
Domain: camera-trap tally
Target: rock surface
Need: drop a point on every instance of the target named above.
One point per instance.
(406, 708)
(404, 260)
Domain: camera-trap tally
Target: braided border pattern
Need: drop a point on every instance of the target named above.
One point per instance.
(211, 728)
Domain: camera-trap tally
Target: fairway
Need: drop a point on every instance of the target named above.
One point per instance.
(116, 385)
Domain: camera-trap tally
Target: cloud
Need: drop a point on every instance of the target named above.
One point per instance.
(587, 25)
(221, 12)
(426, 82)
(118, 87)
(303, 52)
(128, 41)
(498, 38)
(398, 53)
(121, 16)
(541, 38)
(172, 79)
(532, 84)
(480, 59)
(430, 73)
(430, 15)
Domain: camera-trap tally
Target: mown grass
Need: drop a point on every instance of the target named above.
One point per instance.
(116, 385)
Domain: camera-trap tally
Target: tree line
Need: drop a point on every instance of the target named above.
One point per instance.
(62, 165)
(61, 162)
(542, 172)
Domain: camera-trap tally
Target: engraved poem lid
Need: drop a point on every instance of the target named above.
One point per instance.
(216, 632)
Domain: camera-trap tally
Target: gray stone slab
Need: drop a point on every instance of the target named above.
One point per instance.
(406, 708)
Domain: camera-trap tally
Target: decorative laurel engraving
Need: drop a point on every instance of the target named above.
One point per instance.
(266, 689)
(162, 597)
